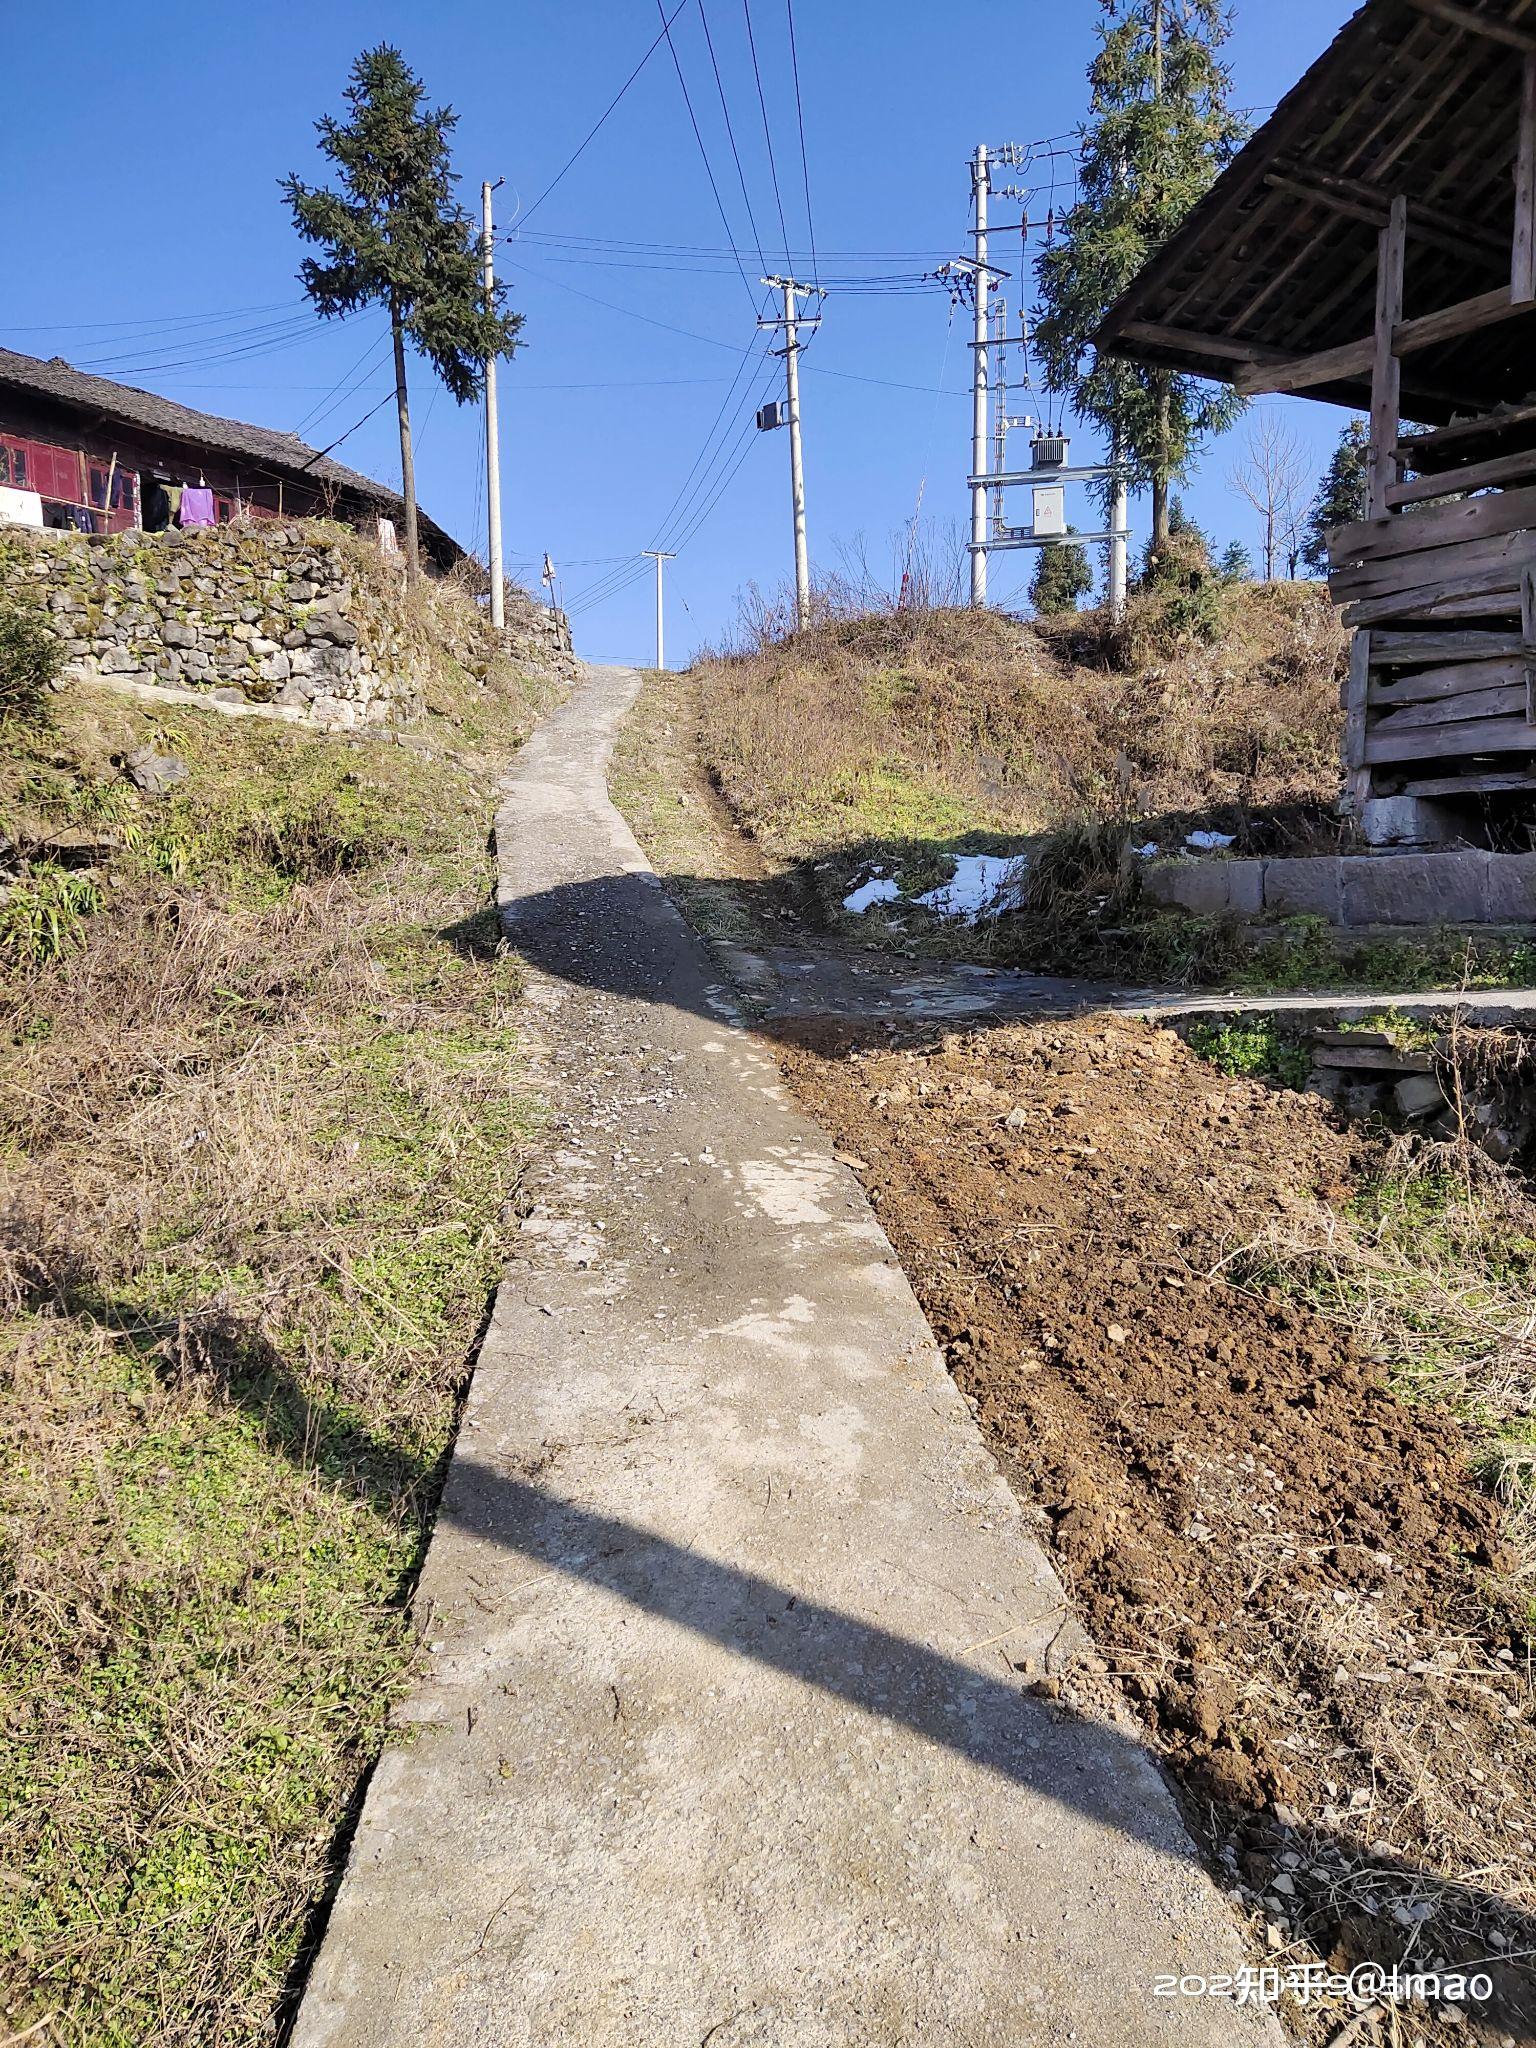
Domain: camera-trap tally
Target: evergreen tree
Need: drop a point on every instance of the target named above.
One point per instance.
(396, 236)
(1342, 497)
(1236, 564)
(1062, 578)
(1159, 131)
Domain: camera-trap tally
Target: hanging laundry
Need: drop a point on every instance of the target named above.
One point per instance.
(388, 545)
(197, 507)
(81, 519)
(20, 508)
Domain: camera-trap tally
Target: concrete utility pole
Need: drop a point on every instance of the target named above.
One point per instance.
(658, 556)
(981, 182)
(1119, 521)
(792, 323)
(492, 431)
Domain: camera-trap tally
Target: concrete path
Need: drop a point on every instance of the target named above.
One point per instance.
(725, 1741)
(780, 983)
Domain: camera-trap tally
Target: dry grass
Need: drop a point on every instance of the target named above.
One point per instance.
(952, 721)
(261, 1125)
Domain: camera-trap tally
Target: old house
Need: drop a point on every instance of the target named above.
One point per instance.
(80, 451)
(1374, 245)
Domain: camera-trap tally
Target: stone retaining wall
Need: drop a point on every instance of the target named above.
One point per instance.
(302, 615)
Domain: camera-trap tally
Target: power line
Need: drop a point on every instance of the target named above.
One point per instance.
(773, 168)
(805, 169)
(606, 242)
(352, 379)
(692, 502)
(368, 415)
(666, 28)
(710, 340)
(730, 136)
(704, 154)
(210, 348)
(155, 323)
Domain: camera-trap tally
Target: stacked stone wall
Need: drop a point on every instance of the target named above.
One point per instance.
(303, 616)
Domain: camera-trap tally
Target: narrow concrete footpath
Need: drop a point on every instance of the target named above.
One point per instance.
(726, 1741)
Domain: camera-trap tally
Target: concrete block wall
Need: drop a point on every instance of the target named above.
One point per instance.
(1458, 886)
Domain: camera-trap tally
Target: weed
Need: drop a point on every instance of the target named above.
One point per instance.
(1255, 1047)
(43, 913)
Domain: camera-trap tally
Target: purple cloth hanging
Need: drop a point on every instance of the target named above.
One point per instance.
(197, 507)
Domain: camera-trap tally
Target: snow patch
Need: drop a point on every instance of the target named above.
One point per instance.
(978, 885)
(875, 890)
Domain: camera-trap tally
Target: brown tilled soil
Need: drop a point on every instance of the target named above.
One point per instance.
(1290, 1573)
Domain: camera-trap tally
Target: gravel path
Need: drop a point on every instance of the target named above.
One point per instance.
(726, 1735)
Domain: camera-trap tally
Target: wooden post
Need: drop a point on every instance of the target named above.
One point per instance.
(1357, 776)
(1386, 371)
(1386, 406)
(1522, 275)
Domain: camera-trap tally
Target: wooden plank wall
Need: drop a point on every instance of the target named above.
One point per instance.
(1443, 671)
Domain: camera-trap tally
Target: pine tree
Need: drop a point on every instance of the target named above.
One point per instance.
(1236, 564)
(1159, 131)
(1342, 497)
(1062, 578)
(396, 236)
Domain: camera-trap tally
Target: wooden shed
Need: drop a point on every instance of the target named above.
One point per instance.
(1374, 244)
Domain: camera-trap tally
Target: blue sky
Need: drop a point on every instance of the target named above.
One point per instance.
(145, 237)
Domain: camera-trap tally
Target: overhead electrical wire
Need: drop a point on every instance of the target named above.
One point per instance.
(155, 323)
(762, 101)
(710, 459)
(730, 136)
(690, 507)
(320, 455)
(805, 169)
(708, 167)
(651, 49)
(350, 380)
(631, 247)
(710, 340)
(210, 348)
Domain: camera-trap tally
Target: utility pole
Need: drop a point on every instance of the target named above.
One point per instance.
(1119, 520)
(492, 431)
(792, 322)
(981, 180)
(658, 556)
